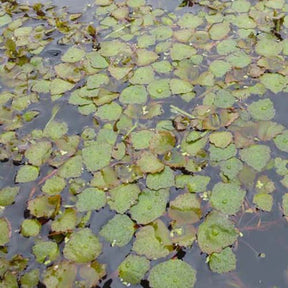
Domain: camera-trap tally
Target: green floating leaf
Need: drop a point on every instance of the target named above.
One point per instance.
(65, 222)
(224, 99)
(219, 68)
(133, 269)
(27, 173)
(164, 179)
(38, 153)
(148, 244)
(227, 197)
(71, 168)
(109, 112)
(145, 57)
(96, 60)
(185, 209)
(54, 185)
(190, 21)
(30, 279)
(149, 163)
(150, 206)
(159, 89)
(285, 204)
(5, 229)
(268, 47)
(162, 32)
(142, 75)
(216, 233)
(97, 155)
(91, 199)
(123, 197)
(59, 86)
(30, 228)
(55, 129)
(231, 167)
(221, 154)
(45, 251)
(60, 275)
(264, 185)
(281, 141)
(274, 82)
(222, 262)
(256, 156)
(221, 139)
(172, 274)
(73, 55)
(181, 51)
(44, 206)
(196, 183)
(5, 19)
(141, 139)
(97, 80)
(219, 31)
(82, 247)
(262, 109)
(7, 195)
(179, 86)
(263, 201)
(135, 94)
(118, 231)
(162, 142)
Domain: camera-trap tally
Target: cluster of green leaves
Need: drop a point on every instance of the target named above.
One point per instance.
(130, 157)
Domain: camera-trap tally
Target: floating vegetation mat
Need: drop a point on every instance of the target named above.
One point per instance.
(131, 135)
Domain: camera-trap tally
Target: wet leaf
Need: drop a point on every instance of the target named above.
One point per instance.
(221, 154)
(149, 245)
(274, 82)
(44, 206)
(150, 206)
(172, 274)
(281, 141)
(45, 251)
(141, 139)
(30, 279)
(164, 179)
(123, 197)
(262, 109)
(149, 163)
(216, 233)
(134, 94)
(159, 89)
(97, 155)
(65, 222)
(54, 185)
(221, 139)
(222, 262)
(55, 129)
(231, 167)
(185, 208)
(227, 197)
(195, 183)
(82, 247)
(179, 86)
(256, 156)
(30, 227)
(5, 229)
(285, 204)
(263, 201)
(71, 168)
(73, 55)
(8, 194)
(60, 275)
(27, 173)
(38, 153)
(133, 269)
(162, 142)
(91, 199)
(118, 231)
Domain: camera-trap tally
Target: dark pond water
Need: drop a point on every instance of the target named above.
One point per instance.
(239, 47)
